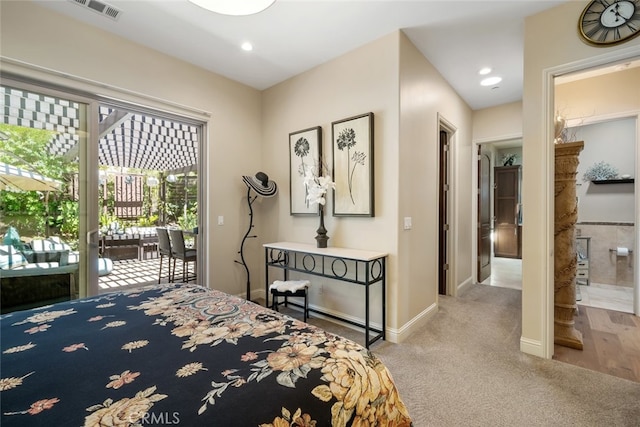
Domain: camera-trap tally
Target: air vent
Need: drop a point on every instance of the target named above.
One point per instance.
(99, 7)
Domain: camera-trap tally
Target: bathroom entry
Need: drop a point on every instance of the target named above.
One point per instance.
(605, 230)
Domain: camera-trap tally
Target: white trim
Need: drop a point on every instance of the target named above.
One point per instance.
(393, 335)
(492, 139)
(414, 325)
(532, 347)
(591, 120)
(462, 286)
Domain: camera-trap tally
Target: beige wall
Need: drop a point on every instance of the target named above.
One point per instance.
(53, 41)
(425, 99)
(601, 96)
(498, 123)
(364, 80)
(551, 45)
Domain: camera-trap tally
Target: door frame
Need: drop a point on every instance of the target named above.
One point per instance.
(476, 143)
(479, 159)
(603, 118)
(74, 87)
(450, 236)
(88, 190)
(547, 111)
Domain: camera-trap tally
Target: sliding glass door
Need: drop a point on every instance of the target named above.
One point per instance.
(48, 197)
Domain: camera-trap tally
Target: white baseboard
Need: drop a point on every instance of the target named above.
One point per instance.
(462, 286)
(393, 335)
(415, 324)
(532, 347)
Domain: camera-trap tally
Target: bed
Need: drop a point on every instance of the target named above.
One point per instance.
(185, 355)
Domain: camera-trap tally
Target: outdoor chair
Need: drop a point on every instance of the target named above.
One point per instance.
(164, 250)
(180, 251)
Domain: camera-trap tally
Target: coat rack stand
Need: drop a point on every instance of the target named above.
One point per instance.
(247, 235)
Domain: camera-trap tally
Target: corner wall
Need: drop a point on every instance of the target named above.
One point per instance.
(552, 46)
(392, 79)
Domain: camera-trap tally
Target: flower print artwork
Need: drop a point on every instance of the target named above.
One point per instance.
(346, 140)
(305, 149)
(301, 149)
(353, 166)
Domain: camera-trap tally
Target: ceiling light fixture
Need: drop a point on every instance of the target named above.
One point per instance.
(484, 71)
(234, 7)
(490, 81)
(246, 46)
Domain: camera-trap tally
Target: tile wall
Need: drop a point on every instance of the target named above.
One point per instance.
(605, 266)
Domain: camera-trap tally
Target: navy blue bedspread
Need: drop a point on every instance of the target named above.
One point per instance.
(185, 355)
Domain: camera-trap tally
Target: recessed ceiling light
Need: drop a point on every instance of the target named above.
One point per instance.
(490, 81)
(246, 46)
(234, 7)
(484, 71)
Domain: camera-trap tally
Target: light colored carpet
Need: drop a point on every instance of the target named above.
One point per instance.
(465, 369)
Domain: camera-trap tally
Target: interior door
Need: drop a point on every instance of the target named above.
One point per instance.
(506, 200)
(484, 216)
(443, 228)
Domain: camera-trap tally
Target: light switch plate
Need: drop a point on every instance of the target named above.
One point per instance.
(407, 223)
(220, 220)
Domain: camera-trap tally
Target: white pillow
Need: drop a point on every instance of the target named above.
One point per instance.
(10, 257)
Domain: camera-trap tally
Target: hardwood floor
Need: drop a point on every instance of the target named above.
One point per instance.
(611, 343)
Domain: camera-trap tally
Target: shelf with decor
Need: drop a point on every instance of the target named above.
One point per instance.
(614, 181)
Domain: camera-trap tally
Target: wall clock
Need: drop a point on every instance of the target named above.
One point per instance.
(605, 23)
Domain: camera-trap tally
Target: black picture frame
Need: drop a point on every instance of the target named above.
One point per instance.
(305, 152)
(352, 145)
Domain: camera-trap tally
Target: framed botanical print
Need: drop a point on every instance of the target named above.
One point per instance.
(305, 152)
(353, 166)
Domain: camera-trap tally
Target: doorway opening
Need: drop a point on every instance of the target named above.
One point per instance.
(446, 134)
(605, 226)
(499, 213)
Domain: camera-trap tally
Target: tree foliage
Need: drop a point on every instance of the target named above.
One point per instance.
(32, 212)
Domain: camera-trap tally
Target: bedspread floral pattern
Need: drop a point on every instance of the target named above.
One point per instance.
(222, 358)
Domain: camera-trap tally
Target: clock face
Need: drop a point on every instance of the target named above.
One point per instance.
(610, 22)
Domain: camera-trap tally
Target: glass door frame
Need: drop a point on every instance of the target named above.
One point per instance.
(87, 281)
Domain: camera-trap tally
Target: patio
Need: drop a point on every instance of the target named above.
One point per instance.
(131, 273)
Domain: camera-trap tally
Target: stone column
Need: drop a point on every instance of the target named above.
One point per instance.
(565, 262)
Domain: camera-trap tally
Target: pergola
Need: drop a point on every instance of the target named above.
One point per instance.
(127, 138)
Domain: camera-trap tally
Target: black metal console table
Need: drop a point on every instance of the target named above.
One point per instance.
(347, 265)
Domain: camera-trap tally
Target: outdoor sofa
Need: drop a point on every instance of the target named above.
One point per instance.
(44, 270)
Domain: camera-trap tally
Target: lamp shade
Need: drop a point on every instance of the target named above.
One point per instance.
(234, 7)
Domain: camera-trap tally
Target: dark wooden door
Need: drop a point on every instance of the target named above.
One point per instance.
(484, 216)
(506, 202)
(443, 225)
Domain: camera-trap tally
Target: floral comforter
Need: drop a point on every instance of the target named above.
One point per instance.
(185, 355)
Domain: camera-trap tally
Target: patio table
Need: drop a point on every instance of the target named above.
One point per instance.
(127, 246)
